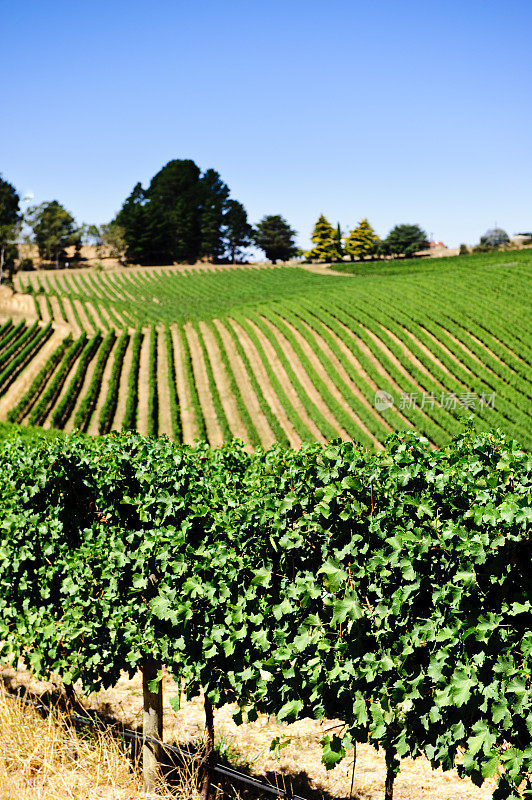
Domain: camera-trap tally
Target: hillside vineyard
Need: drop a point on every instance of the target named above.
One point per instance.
(270, 354)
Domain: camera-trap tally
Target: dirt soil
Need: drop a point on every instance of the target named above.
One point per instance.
(244, 385)
(299, 763)
(214, 432)
(267, 389)
(186, 410)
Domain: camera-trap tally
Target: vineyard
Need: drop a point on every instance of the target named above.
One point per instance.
(389, 590)
(274, 353)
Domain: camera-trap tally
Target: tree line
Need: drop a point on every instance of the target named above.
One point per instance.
(186, 216)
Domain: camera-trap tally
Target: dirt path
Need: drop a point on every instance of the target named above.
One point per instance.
(321, 269)
(83, 317)
(221, 379)
(21, 385)
(144, 380)
(305, 379)
(96, 316)
(188, 419)
(107, 322)
(57, 316)
(93, 427)
(358, 368)
(299, 764)
(163, 389)
(71, 319)
(123, 388)
(289, 390)
(267, 389)
(249, 397)
(45, 316)
(214, 432)
(328, 353)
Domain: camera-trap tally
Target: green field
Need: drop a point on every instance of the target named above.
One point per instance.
(278, 353)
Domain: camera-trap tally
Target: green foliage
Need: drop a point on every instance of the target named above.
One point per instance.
(182, 216)
(389, 590)
(325, 240)
(464, 250)
(237, 230)
(404, 240)
(9, 224)
(362, 241)
(275, 237)
(54, 229)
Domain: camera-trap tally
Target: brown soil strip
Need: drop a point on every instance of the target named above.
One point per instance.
(411, 357)
(70, 317)
(227, 399)
(96, 316)
(188, 419)
(123, 388)
(93, 427)
(358, 368)
(321, 269)
(249, 397)
(163, 389)
(21, 385)
(107, 322)
(58, 317)
(83, 317)
(449, 352)
(424, 349)
(304, 379)
(267, 390)
(45, 316)
(144, 383)
(214, 432)
(290, 392)
(328, 353)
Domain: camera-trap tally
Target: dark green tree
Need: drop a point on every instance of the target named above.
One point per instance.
(143, 237)
(404, 240)
(179, 217)
(339, 240)
(9, 220)
(237, 230)
(275, 237)
(54, 229)
(214, 199)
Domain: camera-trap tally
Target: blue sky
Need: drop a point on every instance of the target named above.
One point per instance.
(404, 111)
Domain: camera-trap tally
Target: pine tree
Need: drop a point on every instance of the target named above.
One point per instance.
(325, 243)
(361, 241)
(339, 241)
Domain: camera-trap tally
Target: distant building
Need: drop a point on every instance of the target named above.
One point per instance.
(434, 245)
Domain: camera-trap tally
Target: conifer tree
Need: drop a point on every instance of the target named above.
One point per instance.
(325, 243)
(361, 241)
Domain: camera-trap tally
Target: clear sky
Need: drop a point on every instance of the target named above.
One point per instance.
(413, 111)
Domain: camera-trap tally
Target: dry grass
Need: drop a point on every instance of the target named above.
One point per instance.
(44, 758)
